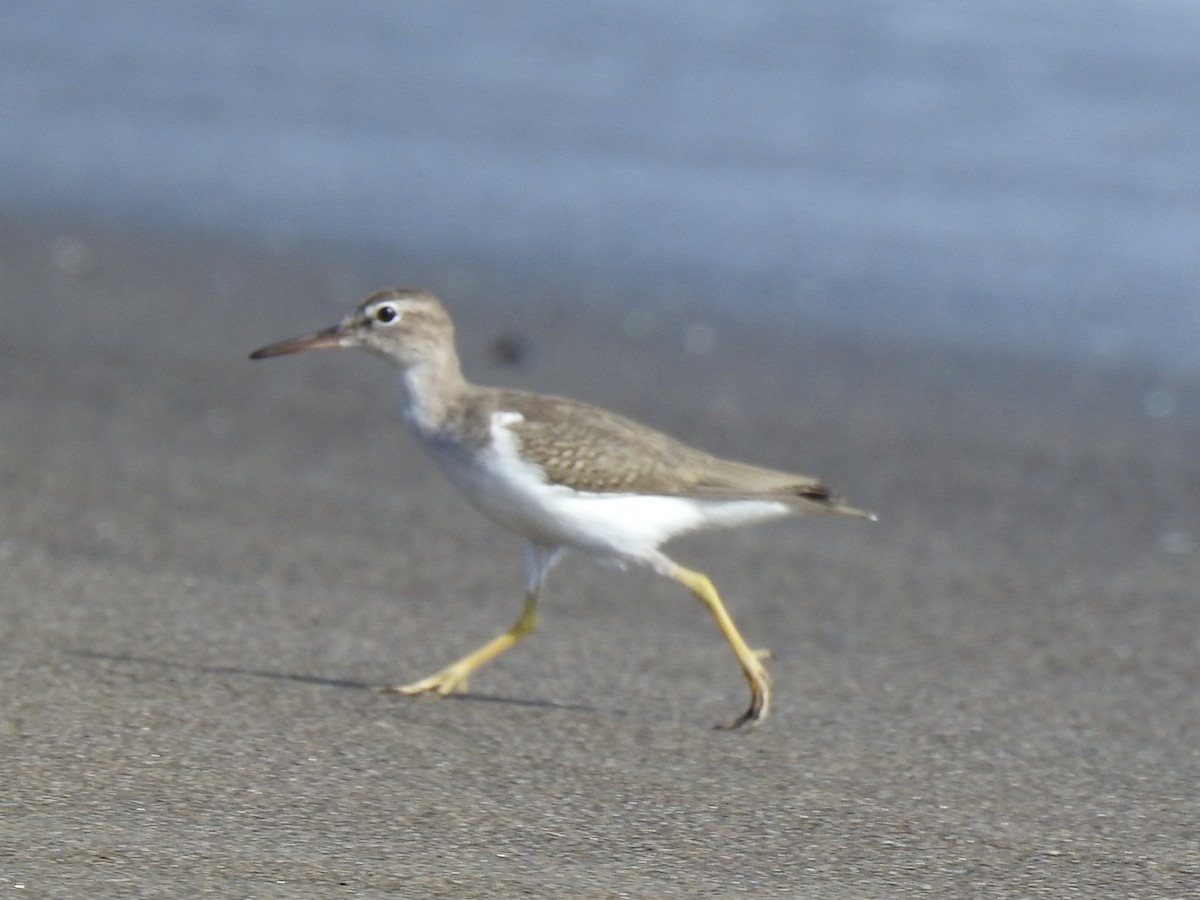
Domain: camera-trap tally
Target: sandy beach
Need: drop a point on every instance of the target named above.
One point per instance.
(208, 564)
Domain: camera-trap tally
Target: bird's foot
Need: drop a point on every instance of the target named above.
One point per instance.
(760, 694)
(451, 680)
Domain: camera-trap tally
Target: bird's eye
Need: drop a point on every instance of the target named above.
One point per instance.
(386, 314)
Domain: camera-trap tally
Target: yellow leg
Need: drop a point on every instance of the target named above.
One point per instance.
(750, 660)
(453, 678)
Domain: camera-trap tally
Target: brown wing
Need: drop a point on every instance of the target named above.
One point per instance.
(591, 449)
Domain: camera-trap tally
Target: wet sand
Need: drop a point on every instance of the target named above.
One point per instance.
(209, 562)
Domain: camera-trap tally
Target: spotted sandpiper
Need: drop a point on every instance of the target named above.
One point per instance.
(562, 474)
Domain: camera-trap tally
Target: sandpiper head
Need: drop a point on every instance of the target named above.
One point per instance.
(403, 325)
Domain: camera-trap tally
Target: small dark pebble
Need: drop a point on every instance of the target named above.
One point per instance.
(509, 350)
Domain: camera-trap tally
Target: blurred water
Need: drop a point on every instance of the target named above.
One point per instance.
(1015, 172)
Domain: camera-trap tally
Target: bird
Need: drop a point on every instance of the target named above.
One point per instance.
(564, 475)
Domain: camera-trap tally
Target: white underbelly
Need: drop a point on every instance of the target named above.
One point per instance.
(628, 526)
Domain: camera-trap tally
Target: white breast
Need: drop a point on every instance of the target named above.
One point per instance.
(515, 494)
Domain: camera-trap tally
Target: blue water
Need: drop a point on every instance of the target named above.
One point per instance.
(1016, 173)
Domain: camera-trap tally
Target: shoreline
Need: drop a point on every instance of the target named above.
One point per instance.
(209, 563)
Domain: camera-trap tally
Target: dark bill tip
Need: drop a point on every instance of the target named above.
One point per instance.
(328, 339)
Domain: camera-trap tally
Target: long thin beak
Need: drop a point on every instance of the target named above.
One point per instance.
(327, 339)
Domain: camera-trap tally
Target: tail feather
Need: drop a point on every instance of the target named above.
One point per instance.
(823, 499)
(806, 494)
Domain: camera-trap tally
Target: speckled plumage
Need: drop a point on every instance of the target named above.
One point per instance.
(591, 449)
(563, 474)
